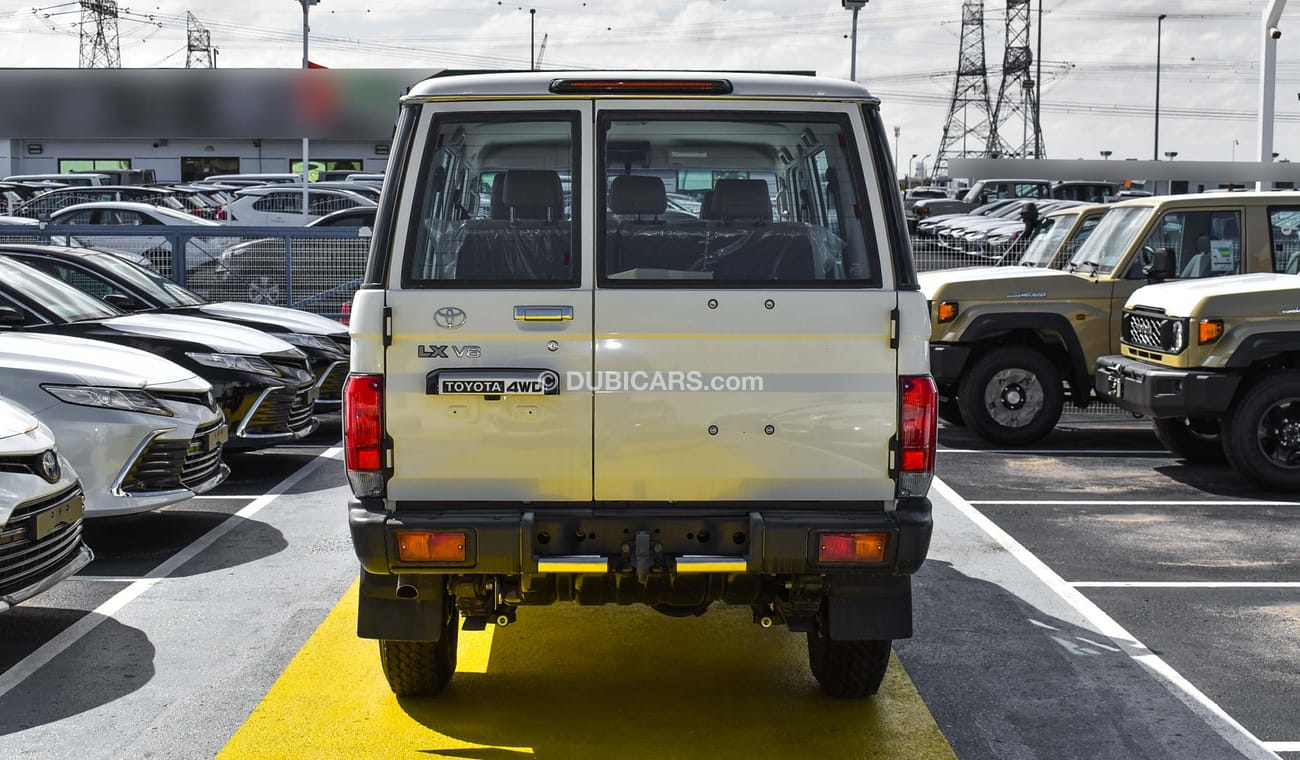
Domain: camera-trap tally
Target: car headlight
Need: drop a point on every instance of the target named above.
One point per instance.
(303, 340)
(131, 400)
(236, 362)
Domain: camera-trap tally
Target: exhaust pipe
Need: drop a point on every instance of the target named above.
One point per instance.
(406, 588)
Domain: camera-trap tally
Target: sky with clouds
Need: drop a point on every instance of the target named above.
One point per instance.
(1098, 56)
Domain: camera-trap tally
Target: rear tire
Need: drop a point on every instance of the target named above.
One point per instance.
(1194, 439)
(1012, 395)
(1261, 434)
(422, 668)
(848, 669)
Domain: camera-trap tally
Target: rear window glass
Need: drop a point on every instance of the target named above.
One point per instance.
(495, 207)
(777, 202)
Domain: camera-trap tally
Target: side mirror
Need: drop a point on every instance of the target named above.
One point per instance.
(11, 317)
(1164, 263)
(121, 301)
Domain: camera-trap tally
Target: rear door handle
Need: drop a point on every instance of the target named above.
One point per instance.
(543, 313)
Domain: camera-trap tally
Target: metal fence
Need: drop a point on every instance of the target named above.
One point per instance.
(312, 268)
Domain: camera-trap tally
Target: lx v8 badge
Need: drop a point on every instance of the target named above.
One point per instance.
(427, 351)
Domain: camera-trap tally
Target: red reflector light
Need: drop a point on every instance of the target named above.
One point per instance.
(643, 86)
(347, 314)
(424, 546)
(918, 425)
(363, 435)
(852, 547)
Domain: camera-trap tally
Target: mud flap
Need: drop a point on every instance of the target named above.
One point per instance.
(381, 615)
(863, 609)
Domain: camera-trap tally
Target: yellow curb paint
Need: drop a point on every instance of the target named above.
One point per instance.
(581, 683)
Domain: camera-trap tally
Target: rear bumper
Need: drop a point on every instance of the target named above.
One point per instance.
(757, 540)
(1156, 391)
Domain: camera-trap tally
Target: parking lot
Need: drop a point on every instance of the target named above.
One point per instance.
(1090, 597)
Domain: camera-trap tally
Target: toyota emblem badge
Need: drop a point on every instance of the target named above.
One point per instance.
(50, 466)
(449, 317)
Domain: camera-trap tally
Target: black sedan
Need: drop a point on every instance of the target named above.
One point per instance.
(133, 288)
(262, 384)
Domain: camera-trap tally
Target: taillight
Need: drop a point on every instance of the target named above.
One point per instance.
(221, 214)
(917, 434)
(363, 433)
(347, 314)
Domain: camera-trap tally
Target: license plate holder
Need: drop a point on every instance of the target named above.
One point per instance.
(46, 522)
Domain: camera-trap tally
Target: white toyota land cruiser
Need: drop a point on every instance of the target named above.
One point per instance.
(639, 338)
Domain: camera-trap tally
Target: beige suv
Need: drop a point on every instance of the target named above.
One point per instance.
(1010, 346)
(1214, 364)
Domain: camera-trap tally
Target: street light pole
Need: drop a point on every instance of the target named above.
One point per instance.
(855, 6)
(1270, 33)
(1155, 153)
(532, 36)
(306, 4)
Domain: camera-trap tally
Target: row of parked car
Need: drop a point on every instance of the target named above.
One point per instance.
(249, 199)
(121, 391)
(1180, 308)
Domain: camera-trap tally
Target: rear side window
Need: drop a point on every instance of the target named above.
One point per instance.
(495, 205)
(779, 202)
(1284, 238)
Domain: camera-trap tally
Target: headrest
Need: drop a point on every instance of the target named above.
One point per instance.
(534, 193)
(498, 204)
(741, 199)
(706, 205)
(635, 194)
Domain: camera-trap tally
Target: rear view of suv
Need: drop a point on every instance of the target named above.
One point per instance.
(563, 391)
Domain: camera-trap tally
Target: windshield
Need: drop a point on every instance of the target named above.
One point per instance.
(63, 301)
(1046, 240)
(1106, 246)
(152, 284)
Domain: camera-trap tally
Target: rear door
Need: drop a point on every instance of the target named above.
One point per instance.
(491, 307)
(744, 355)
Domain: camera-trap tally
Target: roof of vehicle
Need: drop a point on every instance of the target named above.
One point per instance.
(358, 211)
(533, 84)
(110, 189)
(1079, 208)
(143, 208)
(1212, 199)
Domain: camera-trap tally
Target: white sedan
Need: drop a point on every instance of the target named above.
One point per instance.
(115, 215)
(41, 508)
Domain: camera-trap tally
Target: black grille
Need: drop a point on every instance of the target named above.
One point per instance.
(170, 465)
(282, 411)
(1154, 332)
(27, 465)
(25, 560)
(202, 399)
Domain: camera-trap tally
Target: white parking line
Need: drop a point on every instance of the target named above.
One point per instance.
(1129, 503)
(1063, 452)
(1223, 723)
(229, 497)
(1283, 746)
(73, 633)
(1186, 584)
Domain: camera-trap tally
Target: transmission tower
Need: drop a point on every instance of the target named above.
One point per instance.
(970, 129)
(198, 45)
(1018, 132)
(99, 48)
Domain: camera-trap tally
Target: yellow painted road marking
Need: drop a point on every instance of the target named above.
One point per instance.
(571, 683)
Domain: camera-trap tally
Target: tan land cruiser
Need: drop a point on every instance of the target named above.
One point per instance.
(639, 338)
(1216, 363)
(1010, 346)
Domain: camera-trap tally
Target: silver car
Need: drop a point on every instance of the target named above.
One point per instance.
(141, 431)
(40, 510)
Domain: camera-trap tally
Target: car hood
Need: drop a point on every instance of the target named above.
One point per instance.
(282, 318)
(222, 337)
(1251, 294)
(81, 361)
(15, 425)
(1010, 278)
